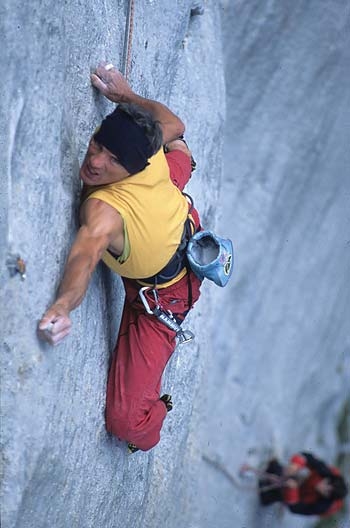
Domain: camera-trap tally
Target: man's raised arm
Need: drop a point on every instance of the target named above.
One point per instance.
(111, 83)
(94, 236)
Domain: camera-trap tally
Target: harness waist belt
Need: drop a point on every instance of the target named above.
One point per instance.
(177, 262)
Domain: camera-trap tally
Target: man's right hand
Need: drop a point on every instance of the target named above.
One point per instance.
(55, 324)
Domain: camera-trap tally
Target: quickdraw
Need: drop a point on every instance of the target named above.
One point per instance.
(165, 316)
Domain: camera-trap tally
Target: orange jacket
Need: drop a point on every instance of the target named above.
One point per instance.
(304, 499)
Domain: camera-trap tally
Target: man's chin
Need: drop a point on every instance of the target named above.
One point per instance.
(84, 176)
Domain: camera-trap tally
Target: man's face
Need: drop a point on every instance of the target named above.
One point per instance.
(100, 166)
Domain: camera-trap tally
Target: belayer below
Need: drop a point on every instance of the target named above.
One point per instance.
(308, 486)
(135, 217)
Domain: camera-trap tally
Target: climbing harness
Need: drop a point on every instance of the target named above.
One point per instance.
(170, 271)
(208, 255)
(178, 261)
(164, 316)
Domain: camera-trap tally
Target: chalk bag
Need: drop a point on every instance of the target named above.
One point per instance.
(211, 257)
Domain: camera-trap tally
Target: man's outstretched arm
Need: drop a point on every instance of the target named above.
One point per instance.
(115, 87)
(93, 238)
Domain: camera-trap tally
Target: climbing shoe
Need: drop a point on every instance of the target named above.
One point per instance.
(132, 448)
(166, 399)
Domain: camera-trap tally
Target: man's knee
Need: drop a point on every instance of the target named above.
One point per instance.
(136, 423)
(117, 426)
(124, 430)
(124, 420)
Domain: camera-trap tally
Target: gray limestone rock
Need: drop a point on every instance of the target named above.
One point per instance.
(262, 90)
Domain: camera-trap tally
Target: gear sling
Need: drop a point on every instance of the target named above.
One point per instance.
(169, 272)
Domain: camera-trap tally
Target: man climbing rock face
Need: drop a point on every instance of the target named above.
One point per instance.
(135, 217)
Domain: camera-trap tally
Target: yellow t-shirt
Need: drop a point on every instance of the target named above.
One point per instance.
(154, 212)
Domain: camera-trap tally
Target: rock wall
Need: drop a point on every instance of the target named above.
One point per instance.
(269, 368)
(60, 468)
(280, 367)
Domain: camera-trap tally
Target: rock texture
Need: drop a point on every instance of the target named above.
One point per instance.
(60, 468)
(280, 370)
(270, 364)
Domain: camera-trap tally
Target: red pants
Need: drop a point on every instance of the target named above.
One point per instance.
(134, 411)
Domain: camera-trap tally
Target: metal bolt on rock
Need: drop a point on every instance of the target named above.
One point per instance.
(15, 264)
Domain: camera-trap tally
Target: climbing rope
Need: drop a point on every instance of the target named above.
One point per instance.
(129, 26)
(275, 481)
(235, 481)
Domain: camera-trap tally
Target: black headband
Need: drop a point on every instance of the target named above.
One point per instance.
(126, 140)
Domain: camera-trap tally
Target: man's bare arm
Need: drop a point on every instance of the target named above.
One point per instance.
(115, 87)
(94, 236)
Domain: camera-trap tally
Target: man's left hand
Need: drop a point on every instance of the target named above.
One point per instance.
(111, 83)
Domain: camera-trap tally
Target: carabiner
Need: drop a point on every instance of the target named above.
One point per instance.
(165, 317)
(185, 336)
(144, 300)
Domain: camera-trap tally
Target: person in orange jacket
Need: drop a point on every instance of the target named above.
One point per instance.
(307, 486)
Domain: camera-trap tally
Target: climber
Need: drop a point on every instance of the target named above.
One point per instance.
(135, 217)
(308, 486)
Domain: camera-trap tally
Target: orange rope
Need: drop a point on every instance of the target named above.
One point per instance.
(128, 39)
